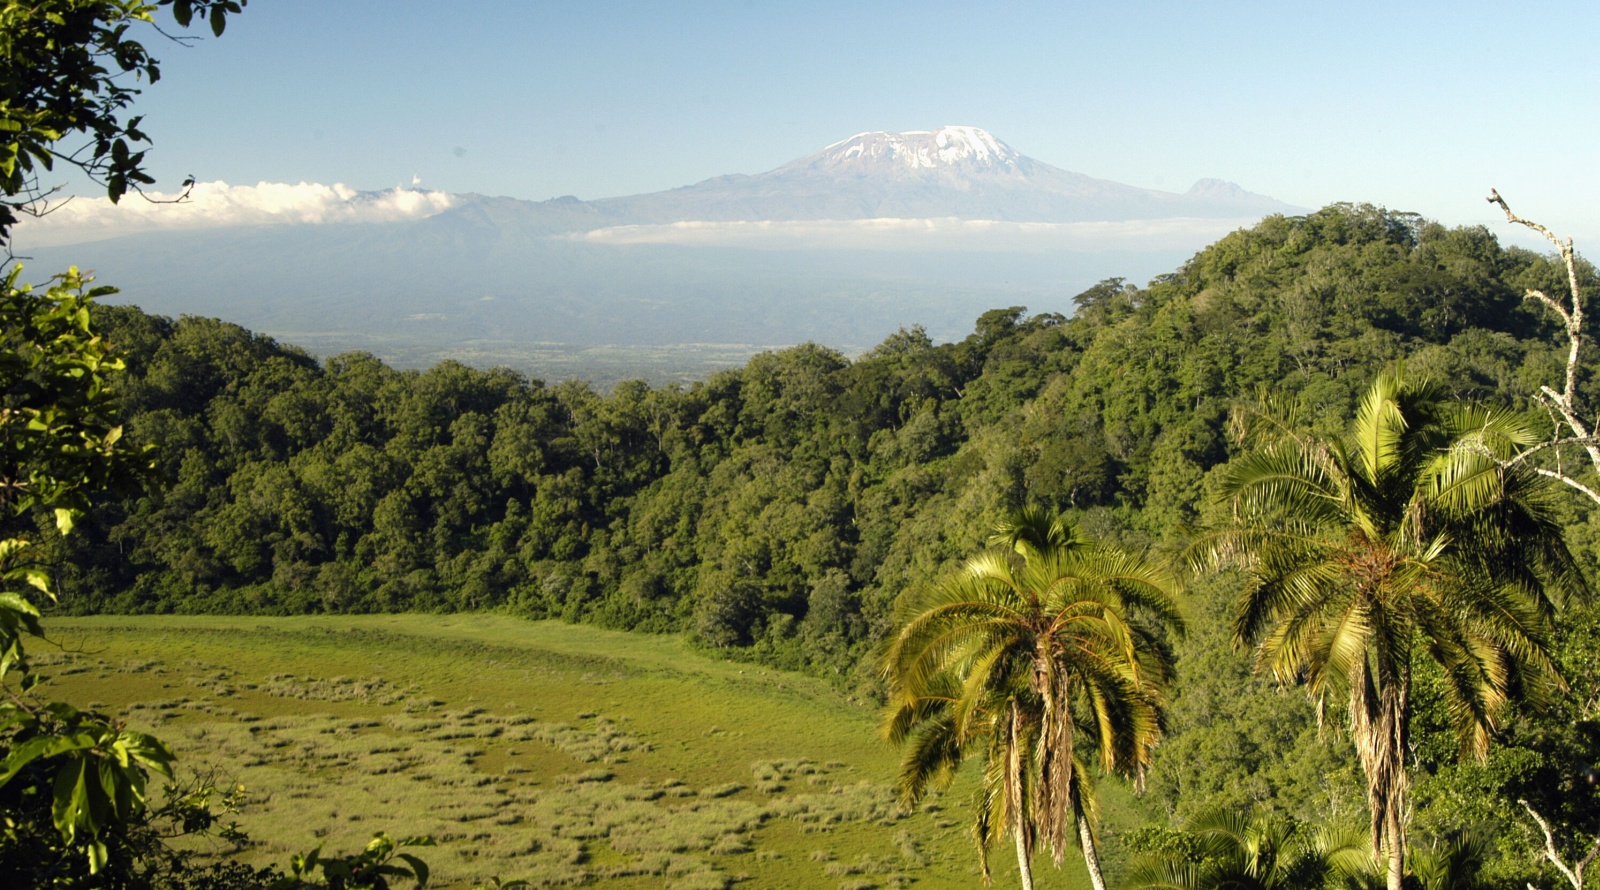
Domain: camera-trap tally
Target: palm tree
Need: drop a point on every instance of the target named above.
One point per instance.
(1407, 536)
(1452, 862)
(1034, 652)
(1237, 850)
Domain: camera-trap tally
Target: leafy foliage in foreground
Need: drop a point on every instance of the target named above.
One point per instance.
(69, 71)
(59, 442)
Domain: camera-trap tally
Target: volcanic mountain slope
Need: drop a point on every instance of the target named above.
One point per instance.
(959, 172)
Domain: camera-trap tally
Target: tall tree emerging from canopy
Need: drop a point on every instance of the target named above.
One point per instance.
(1031, 653)
(1410, 536)
(1570, 432)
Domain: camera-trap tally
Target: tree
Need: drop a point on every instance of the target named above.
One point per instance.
(64, 67)
(1030, 653)
(1409, 536)
(59, 443)
(1239, 850)
(1569, 430)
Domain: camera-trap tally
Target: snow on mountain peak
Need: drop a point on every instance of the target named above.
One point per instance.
(922, 149)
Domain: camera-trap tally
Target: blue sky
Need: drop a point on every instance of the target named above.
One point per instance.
(1417, 106)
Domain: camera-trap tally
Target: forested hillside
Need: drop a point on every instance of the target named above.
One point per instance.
(778, 508)
(776, 511)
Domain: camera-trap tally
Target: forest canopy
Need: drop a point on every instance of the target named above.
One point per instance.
(779, 507)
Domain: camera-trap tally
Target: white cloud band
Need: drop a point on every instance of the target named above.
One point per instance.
(945, 233)
(218, 204)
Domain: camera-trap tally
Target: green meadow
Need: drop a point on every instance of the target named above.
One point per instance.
(555, 753)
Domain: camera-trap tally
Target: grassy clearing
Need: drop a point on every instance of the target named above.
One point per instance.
(564, 755)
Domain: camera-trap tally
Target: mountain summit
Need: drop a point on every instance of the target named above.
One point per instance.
(954, 171)
(882, 153)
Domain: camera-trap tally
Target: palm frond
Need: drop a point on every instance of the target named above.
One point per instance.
(1378, 429)
(1034, 531)
(1288, 479)
(1267, 418)
(931, 755)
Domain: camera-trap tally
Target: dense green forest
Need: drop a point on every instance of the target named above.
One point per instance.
(775, 512)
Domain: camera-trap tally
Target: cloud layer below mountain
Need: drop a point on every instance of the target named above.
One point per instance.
(945, 233)
(218, 204)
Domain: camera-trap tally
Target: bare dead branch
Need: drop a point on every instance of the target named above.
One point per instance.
(1565, 402)
(1574, 873)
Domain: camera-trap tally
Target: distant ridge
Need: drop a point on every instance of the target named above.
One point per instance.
(954, 171)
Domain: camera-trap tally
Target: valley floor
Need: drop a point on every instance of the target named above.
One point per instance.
(538, 750)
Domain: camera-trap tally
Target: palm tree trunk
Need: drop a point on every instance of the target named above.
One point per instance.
(1397, 853)
(1024, 867)
(1091, 855)
(1378, 723)
(1016, 798)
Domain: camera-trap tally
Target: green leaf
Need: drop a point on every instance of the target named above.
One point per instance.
(419, 869)
(38, 579)
(15, 602)
(42, 746)
(70, 808)
(149, 751)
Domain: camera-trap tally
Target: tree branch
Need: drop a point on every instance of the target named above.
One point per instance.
(1564, 479)
(1565, 401)
(1574, 874)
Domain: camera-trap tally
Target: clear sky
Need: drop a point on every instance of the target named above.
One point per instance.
(1416, 106)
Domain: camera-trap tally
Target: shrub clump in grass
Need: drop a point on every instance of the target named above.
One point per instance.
(730, 845)
(704, 880)
(336, 689)
(862, 802)
(412, 724)
(593, 775)
(910, 850)
(603, 743)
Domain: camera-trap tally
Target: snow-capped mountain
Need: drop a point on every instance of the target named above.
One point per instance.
(962, 172)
